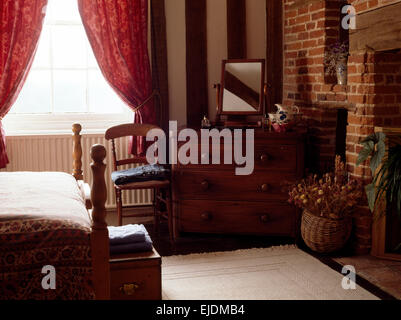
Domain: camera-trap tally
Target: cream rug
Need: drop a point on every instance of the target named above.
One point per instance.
(276, 273)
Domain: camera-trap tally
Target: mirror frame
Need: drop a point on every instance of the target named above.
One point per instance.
(262, 84)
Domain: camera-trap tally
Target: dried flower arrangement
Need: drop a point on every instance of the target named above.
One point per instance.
(332, 196)
(338, 51)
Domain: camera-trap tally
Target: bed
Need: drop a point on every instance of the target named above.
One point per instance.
(55, 219)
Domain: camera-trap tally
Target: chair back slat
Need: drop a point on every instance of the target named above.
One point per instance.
(135, 160)
(129, 129)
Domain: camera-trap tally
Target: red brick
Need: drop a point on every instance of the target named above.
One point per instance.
(309, 44)
(303, 19)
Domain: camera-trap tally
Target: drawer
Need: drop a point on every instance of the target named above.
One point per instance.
(264, 218)
(282, 158)
(135, 276)
(225, 185)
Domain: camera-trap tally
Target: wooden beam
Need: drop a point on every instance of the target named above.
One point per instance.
(274, 54)
(159, 60)
(236, 29)
(377, 30)
(196, 56)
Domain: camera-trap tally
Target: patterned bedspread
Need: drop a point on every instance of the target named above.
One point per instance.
(43, 222)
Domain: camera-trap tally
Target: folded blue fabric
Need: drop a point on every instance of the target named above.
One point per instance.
(140, 174)
(127, 234)
(133, 247)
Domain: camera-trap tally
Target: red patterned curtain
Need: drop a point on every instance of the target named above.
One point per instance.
(21, 24)
(118, 33)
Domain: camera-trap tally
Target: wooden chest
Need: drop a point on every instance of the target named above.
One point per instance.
(135, 276)
(212, 199)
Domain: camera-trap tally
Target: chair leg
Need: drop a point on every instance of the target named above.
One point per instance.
(170, 216)
(119, 201)
(156, 211)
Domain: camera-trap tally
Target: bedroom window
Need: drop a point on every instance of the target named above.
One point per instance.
(65, 83)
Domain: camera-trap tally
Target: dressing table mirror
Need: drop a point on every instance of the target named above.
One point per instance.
(241, 93)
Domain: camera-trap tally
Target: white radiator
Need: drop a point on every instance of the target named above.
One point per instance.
(54, 153)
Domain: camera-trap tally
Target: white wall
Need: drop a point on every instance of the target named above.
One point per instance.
(176, 55)
(256, 29)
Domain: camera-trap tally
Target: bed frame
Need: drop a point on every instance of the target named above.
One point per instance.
(96, 208)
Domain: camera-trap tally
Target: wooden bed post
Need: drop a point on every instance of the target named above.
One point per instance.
(99, 235)
(77, 152)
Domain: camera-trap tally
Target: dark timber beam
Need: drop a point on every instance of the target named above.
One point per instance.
(196, 56)
(274, 54)
(236, 29)
(159, 61)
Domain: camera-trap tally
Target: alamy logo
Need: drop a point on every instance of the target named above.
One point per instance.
(188, 152)
(349, 281)
(349, 21)
(49, 280)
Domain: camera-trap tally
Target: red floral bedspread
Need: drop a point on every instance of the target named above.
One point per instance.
(30, 241)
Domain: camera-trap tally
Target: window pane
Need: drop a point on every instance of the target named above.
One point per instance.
(63, 10)
(65, 76)
(35, 95)
(102, 98)
(92, 63)
(69, 91)
(42, 57)
(69, 50)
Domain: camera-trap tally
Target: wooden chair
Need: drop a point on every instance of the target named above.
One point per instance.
(140, 130)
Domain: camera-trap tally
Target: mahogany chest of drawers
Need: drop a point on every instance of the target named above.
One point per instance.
(212, 199)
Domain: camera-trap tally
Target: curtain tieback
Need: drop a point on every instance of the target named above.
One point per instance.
(154, 93)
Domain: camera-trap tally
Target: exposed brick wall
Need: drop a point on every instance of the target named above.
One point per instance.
(374, 80)
(308, 30)
(372, 96)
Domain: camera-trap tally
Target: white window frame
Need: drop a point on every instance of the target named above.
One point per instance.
(60, 123)
(16, 124)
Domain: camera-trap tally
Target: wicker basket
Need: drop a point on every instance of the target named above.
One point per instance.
(324, 235)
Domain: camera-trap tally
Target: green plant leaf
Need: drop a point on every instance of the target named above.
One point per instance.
(377, 156)
(365, 152)
(371, 195)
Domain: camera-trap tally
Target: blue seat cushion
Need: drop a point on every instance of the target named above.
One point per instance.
(140, 174)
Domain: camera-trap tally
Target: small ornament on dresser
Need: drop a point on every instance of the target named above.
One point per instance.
(205, 124)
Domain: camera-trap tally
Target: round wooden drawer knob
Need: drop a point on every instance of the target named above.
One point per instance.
(264, 157)
(264, 218)
(206, 216)
(204, 185)
(264, 187)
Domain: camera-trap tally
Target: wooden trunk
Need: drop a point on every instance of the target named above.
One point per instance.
(135, 276)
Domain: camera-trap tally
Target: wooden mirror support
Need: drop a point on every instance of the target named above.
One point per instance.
(241, 118)
(99, 235)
